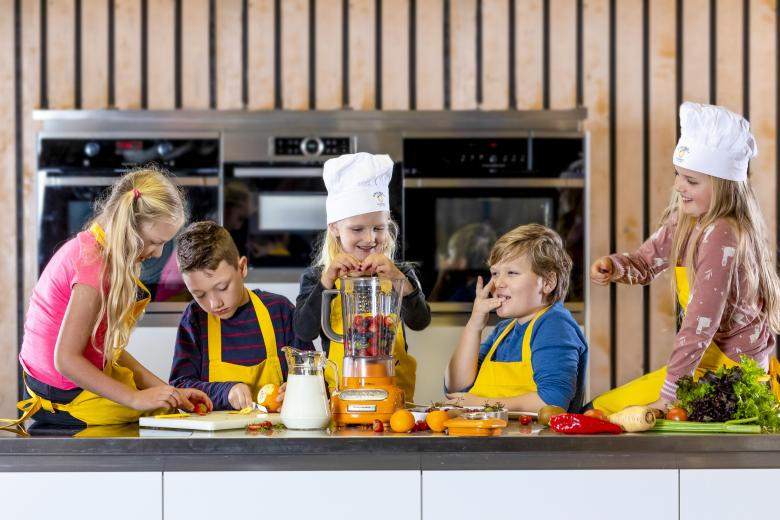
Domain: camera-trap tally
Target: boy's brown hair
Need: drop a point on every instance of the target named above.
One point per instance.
(203, 246)
(544, 250)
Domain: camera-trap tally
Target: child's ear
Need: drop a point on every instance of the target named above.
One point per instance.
(242, 266)
(549, 283)
(333, 229)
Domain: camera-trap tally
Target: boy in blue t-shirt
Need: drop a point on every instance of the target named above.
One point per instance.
(535, 356)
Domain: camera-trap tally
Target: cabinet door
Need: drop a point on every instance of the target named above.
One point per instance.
(323, 495)
(728, 493)
(86, 496)
(581, 494)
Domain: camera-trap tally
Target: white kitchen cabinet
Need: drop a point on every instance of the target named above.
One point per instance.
(728, 493)
(581, 494)
(86, 496)
(324, 495)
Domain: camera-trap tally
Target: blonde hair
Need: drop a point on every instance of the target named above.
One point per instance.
(329, 245)
(735, 202)
(544, 250)
(140, 197)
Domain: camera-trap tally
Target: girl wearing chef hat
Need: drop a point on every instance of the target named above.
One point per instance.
(713, 236)
(360, 238)
(85, 305)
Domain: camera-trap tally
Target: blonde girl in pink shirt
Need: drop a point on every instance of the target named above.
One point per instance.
(85, 305)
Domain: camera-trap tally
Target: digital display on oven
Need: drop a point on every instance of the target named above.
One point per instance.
(127, 145)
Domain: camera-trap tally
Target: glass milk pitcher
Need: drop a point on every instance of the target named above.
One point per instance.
(305, 405)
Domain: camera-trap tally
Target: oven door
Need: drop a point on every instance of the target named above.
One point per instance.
(65, 205)
(450, 226)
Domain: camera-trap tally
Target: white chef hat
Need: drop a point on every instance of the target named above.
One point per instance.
(714, 141)
(357, 184)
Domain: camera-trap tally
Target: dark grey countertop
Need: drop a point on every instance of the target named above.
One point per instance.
(132, 449)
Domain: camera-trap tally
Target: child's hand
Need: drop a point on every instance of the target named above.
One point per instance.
(280, 396)
(193, 396)
(484, 304)
(601, 271)
(342, 264)
(240, 396)
(383, 266)
(464, 399)
(156, 397)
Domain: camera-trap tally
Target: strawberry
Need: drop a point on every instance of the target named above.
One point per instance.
(420, 426)
(201, 409)
(379, 426)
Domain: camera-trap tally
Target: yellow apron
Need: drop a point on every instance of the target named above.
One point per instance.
(405, 364)
(647, 389)
(255, 376)
(506, 379)
(87, 406)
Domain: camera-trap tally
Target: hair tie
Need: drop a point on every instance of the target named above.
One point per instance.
(136, 194)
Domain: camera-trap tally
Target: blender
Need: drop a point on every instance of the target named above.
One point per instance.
(370, 312)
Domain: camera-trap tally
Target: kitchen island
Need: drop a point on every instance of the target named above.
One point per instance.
(171, 475)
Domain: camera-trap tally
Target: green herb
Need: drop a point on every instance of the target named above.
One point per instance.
(493, 407)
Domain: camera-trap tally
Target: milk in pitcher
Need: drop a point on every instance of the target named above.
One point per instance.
(305, 405)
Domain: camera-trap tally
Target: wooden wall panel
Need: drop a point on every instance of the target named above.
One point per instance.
(362, 55)
(728, 69)
(529, 55)
(629, 164)
(763, 110)
(60, 53)
(161, 59)
(195, 54)
(463, 49)
(563, 53)
(495, 55)
(329, 77)
(596, 89)
(395, 55)
(94, 54)
(260, 60)
(696, 51)
(662, 127)
(8, 346)
(295, 54)
(429, 66)
(127, 54)
(229, 65)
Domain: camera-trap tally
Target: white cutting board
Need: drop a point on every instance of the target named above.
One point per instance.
(221, 420)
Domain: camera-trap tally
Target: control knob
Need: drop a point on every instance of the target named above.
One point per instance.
(312, 146)
(91, 149)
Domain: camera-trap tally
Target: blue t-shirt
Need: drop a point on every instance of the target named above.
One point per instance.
(559, 355)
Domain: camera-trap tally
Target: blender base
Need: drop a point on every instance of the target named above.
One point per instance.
(364, 411)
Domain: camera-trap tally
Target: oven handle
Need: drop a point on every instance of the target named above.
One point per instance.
(108, 181)
(446, 182)
(261, 173)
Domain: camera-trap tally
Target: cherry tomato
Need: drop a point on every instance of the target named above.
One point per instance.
(379, 426)
(598, 414)
(677, 414)
(526, 419)
(201, 409)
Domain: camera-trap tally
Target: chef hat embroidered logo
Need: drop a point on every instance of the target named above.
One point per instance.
(357, 184)
(682, 151)
(379, 197)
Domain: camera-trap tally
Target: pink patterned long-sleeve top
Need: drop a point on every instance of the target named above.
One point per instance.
(717, 309)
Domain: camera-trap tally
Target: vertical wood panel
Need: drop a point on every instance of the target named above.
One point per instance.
(729, 55)
(328, 63)
(663, 137)
(395, 55)
(429, 35)
(763, 110)
(260, 59)
(229, 33)
(563, 53)
(160, 49)
(495, 54)
(60, 53)
(362, 55)
(94, 54)
(295, 55)
(629, 167)
(195, 54)
(127, 52)
(529, 31)
(463, 35)
(8, 347)
(696, 51)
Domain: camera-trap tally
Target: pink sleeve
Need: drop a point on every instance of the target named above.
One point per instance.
(647, 262)
(89, 262)
(711, 285)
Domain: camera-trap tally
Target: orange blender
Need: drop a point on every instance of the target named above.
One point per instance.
(370, 312)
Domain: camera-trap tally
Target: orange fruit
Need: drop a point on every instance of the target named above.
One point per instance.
(267, 397)
(402, 421)
(435, 420)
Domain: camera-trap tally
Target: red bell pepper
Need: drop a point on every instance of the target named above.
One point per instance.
(575, 423)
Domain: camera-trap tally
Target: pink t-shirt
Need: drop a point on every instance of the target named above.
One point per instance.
(78, 261)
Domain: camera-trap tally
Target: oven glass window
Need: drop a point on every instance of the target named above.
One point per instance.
(281, 212)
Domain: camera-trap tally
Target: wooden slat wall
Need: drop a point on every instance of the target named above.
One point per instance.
(630, 61)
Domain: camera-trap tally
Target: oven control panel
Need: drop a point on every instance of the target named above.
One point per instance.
(312, 146)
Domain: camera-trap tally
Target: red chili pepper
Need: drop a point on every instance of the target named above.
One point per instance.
(575, 423)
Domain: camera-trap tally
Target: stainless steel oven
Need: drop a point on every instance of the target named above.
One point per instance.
(74, 172)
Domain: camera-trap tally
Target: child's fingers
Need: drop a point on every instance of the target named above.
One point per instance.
(488, 288)
(480, 284)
